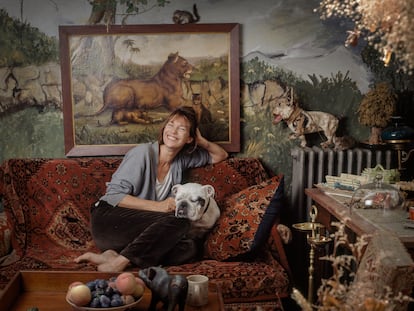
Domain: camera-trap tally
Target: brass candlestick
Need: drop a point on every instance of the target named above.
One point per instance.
(314, 238)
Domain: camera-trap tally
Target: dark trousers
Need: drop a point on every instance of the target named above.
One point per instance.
(145, 238)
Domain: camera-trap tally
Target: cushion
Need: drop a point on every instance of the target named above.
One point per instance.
(241, 216)
(229, 176)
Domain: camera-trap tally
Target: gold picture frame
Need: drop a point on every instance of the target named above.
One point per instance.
(119, 82)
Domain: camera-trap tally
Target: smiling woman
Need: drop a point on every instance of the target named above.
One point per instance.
(138, 206)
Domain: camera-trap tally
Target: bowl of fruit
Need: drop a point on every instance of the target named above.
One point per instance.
(116, 294)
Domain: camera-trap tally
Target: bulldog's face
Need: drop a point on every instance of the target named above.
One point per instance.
(192, 200)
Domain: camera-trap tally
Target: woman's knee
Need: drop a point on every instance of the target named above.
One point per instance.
(182, 222)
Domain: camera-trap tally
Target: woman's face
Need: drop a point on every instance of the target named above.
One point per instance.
(177, 132)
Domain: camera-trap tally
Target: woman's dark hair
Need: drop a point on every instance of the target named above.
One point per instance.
(190, 115)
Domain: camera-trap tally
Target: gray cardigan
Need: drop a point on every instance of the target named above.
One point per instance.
(137, 173)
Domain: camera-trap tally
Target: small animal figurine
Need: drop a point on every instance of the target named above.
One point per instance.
(343, 143)
(302, 122)
(171, 290)
(185, 17)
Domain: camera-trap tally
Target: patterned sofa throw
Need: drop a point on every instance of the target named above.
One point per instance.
(47, 203)
(47, 200)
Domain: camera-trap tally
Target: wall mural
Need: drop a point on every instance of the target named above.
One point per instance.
(283, 44)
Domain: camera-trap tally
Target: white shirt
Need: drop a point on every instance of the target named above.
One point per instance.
(162, 189)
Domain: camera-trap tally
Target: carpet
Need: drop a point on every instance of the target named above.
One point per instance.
(254, 306)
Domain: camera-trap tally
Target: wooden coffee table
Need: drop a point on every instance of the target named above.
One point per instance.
(46, 290)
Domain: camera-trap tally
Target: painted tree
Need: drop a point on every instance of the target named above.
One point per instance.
(105, 10)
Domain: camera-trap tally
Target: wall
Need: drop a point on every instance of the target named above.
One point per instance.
(280, 40)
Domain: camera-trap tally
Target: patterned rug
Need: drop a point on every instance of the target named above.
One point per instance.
(257, 306)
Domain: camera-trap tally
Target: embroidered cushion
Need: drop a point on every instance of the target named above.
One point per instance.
(230, 176)
(241, 215)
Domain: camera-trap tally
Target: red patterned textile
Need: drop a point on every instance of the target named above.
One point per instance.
(264, 279)
(229, 177)
(47, 205)
(240, 217)
(4, 235)
(255, 306)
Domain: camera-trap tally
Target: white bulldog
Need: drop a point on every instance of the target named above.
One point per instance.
(196, 202)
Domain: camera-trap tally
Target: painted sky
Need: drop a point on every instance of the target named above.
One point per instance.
(288, 32)
(188, 46)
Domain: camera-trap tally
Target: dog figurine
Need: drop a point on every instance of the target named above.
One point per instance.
(171, 290)
(303, 122)
(196, 202)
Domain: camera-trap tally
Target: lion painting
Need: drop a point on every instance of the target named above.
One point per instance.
(164, 89)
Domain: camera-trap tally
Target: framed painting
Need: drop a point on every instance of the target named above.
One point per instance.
(119, 83)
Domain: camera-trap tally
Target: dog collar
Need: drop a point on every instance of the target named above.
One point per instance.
(208, 205)
(294, 115)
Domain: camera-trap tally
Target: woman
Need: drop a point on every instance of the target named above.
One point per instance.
(134, 221)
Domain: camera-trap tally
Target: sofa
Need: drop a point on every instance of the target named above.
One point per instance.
(46, 223)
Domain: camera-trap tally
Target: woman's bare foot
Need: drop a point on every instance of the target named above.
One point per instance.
(117, 264)
(98, 259)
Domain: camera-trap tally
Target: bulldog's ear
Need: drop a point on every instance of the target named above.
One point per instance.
(209, 190)
(174, 189)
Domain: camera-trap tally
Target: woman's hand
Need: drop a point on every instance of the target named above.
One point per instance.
(200, 140)
(216, 152)
(168, 205)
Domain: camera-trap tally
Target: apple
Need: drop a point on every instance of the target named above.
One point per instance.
(127, 299)
(140, 281)
(126, 283)
(79, 294)
(139, 290)
(74, 284)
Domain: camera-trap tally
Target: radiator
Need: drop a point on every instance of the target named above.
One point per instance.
(311, 165)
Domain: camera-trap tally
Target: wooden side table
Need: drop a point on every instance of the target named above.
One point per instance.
(369, 221)
(361, 221)
(47, 291)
